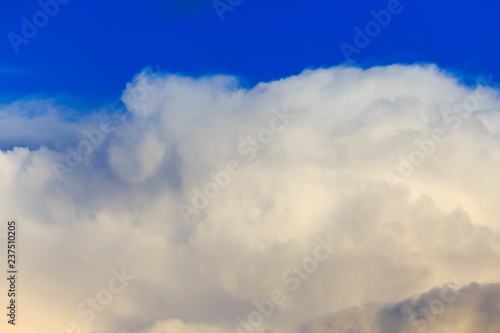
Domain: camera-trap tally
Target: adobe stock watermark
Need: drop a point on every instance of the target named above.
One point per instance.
(372, 29)
(96, 136)
(223, 6)
(248, 149)
(142, 90)
(30, 27)
(293, 279)
(453, 116)
(103, 298)
(427, 314)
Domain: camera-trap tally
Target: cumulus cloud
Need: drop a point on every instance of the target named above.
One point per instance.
(213, 196)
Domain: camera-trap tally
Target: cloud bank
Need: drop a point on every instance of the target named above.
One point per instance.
(473, 308)
(215, 198)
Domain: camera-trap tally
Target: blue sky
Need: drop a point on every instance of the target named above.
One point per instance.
(87, 51)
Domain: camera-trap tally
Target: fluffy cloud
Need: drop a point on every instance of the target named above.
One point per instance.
(209, 194)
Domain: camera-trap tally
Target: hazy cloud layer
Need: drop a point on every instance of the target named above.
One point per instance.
(473, 308)
(327, 152)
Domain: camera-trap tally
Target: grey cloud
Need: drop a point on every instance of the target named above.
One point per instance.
(471, 308)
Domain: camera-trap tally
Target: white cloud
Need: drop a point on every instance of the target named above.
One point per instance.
(323, 174)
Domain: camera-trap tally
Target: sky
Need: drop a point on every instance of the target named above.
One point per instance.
(249, 167)
(104, 44)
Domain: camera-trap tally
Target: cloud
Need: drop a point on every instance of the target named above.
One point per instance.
(159, 196)
(472, 308)
(34, 123)
(175, 325)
